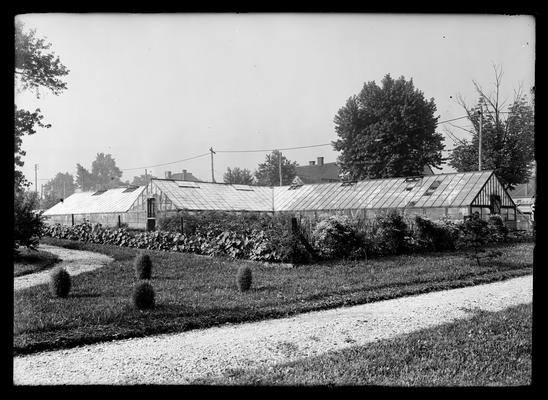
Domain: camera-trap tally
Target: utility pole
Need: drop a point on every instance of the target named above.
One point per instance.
(42, 191)
(36, 178)
(280, 167)
(480, 125)
(212, 173)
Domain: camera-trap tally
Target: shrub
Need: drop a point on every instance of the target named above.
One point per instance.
(497, 229)
(474, 234)
(435, 236)
(389, 235)
(244, 278)
(60, 282)
(336, 236)
(142, 266)
(143, 295)
(28, 223)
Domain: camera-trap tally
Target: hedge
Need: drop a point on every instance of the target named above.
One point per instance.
(267, 238)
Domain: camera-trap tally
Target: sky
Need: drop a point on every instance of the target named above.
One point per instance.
(160, 88)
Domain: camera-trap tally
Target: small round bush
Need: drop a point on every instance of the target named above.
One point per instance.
(60, 282)
(143, 266)
(143, 296)
(244, 278)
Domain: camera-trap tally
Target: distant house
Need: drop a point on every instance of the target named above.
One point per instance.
(320, 172)
(183, 176)
(524, 196)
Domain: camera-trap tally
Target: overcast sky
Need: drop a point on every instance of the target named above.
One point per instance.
(153, 89)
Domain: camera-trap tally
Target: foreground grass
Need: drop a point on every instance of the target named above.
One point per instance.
(29, 261)
(491, 349)
(199, 292)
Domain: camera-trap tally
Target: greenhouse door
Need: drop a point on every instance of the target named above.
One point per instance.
(495, 204)
(151, 214)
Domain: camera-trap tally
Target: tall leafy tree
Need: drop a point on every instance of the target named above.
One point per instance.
(60, 187)
(36, 67)
(387, 131)
(238, 176)
(267, 173)
(105, 171)
(26, 123)
(104, 174)
(84, 179)
(507, 136)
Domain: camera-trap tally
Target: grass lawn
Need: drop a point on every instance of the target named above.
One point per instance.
(491, 349)
(198, 292)
(29, 261)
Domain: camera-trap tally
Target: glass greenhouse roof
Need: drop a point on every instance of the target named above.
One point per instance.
(443, 190)
(97, 202)
(217, 196)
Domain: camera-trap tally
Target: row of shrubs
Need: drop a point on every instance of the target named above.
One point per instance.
(338, 235)
(267, 238)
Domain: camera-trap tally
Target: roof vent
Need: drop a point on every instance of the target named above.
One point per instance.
(187, 184)
(99, 192)
(432, 188)
(413, 179)
(296, 183)
(348, 183)
(243, 188)
(412, 182)
(131, 189)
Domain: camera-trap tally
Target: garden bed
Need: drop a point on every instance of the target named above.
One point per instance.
(197, 292)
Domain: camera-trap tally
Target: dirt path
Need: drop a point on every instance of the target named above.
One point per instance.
(74, 261)
(181, 358)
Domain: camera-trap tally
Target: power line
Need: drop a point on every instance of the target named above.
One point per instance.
(322, 144)
(264, 150)
(169, 163)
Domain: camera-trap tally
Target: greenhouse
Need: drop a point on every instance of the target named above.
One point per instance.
(453, 195)
(107, 207)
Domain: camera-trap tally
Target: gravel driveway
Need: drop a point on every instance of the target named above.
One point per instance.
(74, 261)
(181, 358)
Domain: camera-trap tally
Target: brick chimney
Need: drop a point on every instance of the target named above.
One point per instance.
(320, 160)
(312, 163)
(184, 174)
(168, 174)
